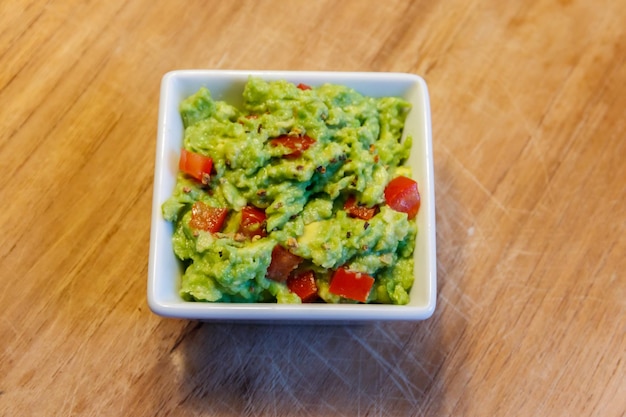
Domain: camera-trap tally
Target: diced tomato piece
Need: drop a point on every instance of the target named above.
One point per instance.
(207, 218)
(402, 195)
(283, 262)
(295, 144)
(357, 210)
(196, 165)
(303, 87)
(351, 284)
(252, 222)
(303, 285)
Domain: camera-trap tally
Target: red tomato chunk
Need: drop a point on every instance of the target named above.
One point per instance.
(351, 284)
(283, 262)
(357, 210)
(209, 219)
(295, 144)
(195, 165)
(304, 286)
(303, 87)
(252, 222)
(402, 194)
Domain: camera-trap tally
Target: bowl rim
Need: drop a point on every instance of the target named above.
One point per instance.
(171, 84)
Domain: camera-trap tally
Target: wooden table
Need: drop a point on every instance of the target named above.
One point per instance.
(528, 101)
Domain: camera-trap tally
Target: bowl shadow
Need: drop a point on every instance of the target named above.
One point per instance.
(382, 368)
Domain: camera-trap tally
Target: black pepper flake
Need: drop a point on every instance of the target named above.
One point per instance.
(321, 169)
(220, 253)
(348, 235)
(258, 130)
(366, 225)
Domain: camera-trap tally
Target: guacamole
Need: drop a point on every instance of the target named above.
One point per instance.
(290, 197)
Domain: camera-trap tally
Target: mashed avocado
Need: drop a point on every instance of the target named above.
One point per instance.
(284, 170)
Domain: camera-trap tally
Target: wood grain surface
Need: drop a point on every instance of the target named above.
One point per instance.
(528, 101)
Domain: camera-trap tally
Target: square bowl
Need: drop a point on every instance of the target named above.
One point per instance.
(165, 270)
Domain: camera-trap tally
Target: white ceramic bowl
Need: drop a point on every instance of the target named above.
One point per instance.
(164, 270)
